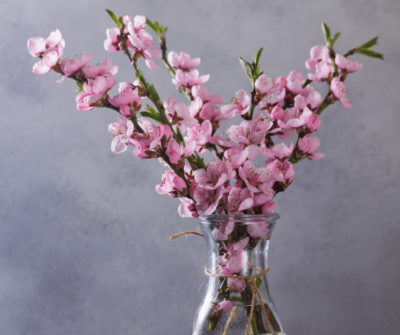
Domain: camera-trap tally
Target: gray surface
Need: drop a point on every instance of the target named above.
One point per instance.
(84, 243)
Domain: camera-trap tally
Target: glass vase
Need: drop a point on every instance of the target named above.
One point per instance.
(237, 249)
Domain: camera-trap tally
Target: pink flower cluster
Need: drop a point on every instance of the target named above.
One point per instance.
(320, 62)
(135, 37)
(232, 182)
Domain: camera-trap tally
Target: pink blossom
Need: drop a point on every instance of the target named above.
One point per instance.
(128, 100)
(222, 232)
(262, 123)
(92, 71)
(236, 285)
(218, 172)
(260, 230)
(143, 48)
(280, 151)
(49, 58)
(49, 51)
(222, 141)
(172, 184)
(308, 145)
(211, 113)
(202, 92)
(263, 200)
(247, 132)
(241, 104)
(318, 53)
(189, 79)
(150, 138)
(38, 45)
(295, 81)
(182, 61)
(122, 132)
(265, 85)
(195, 106)
(234, 259)
(187, 208)
(137, 29)
(282, 171)
(94, 91)
(346, 64)
(307, 117)
(287, 120)
(113, 41)
(272, 100)
(281, 81)
(256, 179)
(323, 71)
(225, 306)
(178, 114)
(206, 200)
(236, 155)
(313, 122)
(239, 200)
(71, 66)
(177, 153)
(200, 134)
(313, 101)
(284, 134)
(339, 90)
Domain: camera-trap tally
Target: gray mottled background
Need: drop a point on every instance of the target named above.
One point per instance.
(84, 245)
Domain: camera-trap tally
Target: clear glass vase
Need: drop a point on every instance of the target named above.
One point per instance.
(237, 246)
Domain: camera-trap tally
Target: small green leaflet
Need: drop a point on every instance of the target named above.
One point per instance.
(246, 67)
(114, 18)
(258, 282)
(336, 37)
(153, 92)
(257, 56)
(152, 116)
(156, 27)
(327, 34)
(370, 53)
(151, 25)
(369, 44)
(179, 135)
(80, 89)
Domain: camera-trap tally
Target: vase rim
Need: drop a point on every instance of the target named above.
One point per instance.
(240, 217)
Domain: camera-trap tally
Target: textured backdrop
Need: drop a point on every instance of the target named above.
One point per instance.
(84, 245)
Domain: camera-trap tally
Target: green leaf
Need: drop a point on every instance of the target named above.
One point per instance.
(256, 58)
(80, 87)
(370, 53)
(246, 67)
(151, 110)
(258, 282)
(327, 34)
(336, 37)
(139, 75)
(151, 25)
(256, 63)
(369, 44)
(114, 18)
(179, 135)
(152, 116)
(153, 93)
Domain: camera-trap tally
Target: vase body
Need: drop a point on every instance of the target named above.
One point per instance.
(237, 245)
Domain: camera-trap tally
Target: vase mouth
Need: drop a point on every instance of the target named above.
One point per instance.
(240, 218)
